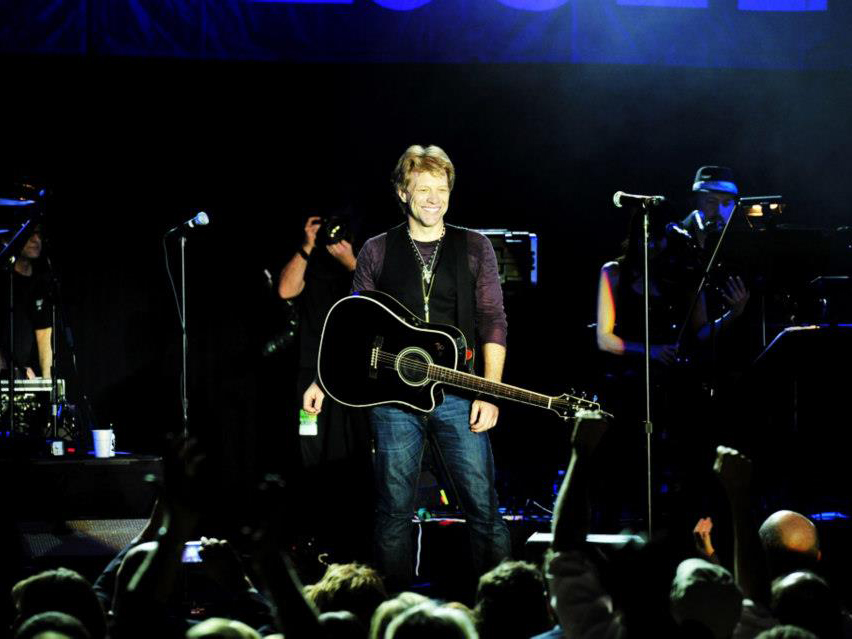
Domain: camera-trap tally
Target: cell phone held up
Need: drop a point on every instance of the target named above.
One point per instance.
(191, 553)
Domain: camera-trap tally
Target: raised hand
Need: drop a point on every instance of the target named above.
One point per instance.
(703, 539)
(736, 295)
(311, 228)
(589, 428)
(182, 484)
(222, 563)
(733, 469)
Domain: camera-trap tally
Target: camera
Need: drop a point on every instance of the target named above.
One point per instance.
(333, 229)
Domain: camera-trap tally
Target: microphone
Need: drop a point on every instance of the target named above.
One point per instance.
(199, 220)
(621, 198)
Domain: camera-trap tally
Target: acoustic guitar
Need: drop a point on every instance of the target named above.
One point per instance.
(375, 351)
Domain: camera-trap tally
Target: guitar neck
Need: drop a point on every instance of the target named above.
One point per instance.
(477, 384)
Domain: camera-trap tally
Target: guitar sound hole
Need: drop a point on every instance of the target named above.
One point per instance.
(411, 364)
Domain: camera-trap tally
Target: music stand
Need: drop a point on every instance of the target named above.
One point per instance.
(800, 399)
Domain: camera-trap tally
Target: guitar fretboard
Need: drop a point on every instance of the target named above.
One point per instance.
(481, 385)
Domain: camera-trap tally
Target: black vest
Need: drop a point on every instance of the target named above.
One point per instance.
(453, 297)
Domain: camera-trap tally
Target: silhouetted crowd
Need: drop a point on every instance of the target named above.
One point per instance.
(642, 588)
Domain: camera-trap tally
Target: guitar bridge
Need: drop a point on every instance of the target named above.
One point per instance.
(374, 356)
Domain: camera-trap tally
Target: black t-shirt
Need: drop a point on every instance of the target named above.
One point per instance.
(31, 312)
(326, 281)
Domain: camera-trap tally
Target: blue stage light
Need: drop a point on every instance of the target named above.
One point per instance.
(828, 516)
(783, 5)
(682, 4)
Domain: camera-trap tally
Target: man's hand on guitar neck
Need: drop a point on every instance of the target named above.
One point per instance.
(312, 399)
(483, 416)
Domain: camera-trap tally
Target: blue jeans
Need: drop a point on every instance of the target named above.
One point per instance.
(400, 436)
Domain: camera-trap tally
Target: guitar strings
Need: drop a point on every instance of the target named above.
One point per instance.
(423, 367)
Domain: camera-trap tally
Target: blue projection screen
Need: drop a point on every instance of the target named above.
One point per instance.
(758, 34)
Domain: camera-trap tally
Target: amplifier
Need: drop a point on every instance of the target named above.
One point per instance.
(517, 256)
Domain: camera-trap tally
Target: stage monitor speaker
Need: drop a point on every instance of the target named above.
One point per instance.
(60, 489)
(83, 545)
(77, 537)
(538, 543)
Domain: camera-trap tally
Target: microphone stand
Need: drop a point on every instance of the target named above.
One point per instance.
(199, 220)
(184, 341)
(180, 303)
(649, 427)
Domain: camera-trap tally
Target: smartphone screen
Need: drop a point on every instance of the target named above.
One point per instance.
(190, 552)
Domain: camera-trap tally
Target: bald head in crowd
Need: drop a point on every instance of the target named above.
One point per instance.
(791, 542)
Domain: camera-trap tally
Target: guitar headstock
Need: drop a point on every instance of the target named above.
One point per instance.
(570, 406)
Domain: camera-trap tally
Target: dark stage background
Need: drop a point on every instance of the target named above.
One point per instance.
(132, 146)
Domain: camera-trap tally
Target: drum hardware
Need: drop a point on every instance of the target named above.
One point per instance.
(33, 409)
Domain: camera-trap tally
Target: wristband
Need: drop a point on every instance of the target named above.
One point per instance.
(304, 254)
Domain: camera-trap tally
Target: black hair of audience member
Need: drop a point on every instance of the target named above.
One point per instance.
(638, 577)
(57, 623)
(354, 587)
(61, 590)
(342, 624)
(705, 598)
(511, 601)
(786, 632)
(805, 599)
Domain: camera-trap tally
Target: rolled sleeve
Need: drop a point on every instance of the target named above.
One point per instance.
(491, 324)
(369, 265)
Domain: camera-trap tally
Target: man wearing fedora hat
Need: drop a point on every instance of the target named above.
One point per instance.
(716, 198)
(716, 194)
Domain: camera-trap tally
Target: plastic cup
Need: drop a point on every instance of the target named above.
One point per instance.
(104, 443)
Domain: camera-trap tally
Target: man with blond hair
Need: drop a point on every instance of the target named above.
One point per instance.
(444, 274)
